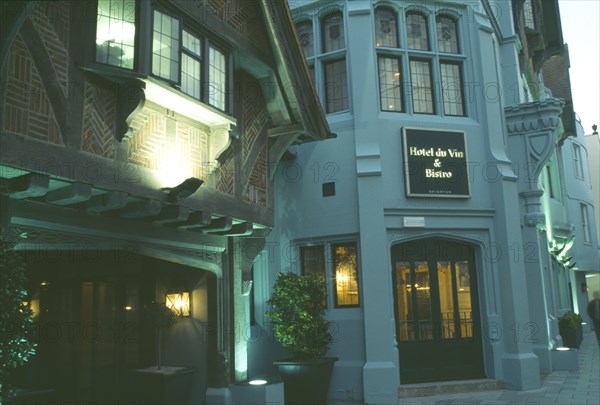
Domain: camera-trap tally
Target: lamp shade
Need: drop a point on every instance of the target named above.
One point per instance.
(179, 303)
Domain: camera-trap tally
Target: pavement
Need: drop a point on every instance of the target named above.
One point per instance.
(579, 387)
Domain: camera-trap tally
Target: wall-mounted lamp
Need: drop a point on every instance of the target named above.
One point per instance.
(179, 303)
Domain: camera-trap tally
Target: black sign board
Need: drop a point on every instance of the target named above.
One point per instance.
(435, 163)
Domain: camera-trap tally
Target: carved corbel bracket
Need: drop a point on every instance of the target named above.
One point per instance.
(130, 100)
(532, 129)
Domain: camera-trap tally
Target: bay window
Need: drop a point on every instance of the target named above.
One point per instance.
(325, 52)
(417, 74)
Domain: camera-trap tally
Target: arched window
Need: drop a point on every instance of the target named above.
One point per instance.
(417, 31)
(333, 32)
(305, 33)
(447, 34)
(386, 29)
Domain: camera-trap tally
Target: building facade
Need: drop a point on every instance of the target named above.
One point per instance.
(430, 213)
(113, 114)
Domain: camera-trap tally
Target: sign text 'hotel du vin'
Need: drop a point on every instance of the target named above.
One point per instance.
(435, 163)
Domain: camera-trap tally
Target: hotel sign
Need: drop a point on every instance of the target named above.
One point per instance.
(435, 163)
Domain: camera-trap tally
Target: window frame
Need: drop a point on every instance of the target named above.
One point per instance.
(136, 40)
(207, 41)
(327, 248)
(320, 58)
(442, 105)
(585, 223)
(577, 161)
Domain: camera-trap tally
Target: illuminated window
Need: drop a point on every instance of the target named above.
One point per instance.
(390, 83)
(165, 47)
(216, 78)
(191, 62)
(341, 270)
(191, 53)
(345, 270)
(115, 33)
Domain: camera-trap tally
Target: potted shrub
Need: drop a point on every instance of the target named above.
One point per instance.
(16, 332)
(297, 310)
(571, 331)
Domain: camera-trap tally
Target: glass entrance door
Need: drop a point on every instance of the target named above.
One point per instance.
(437, 311)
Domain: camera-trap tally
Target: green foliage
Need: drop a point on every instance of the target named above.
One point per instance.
(15, 316)
(569, 320)
(297, 307)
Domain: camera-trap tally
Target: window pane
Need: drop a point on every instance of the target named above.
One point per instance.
(421, 89)
(447, 36)
(452, 93)
(305, 33)
(346, 274)
(386, 30)
(336, 87)
(333, 32)
(191, 43)
(577, 161)
(416, 31)
(312, 259)
(421, 288)
(585, 224)
(390, 90)
(115, 33)
(190, 76)
(406, 330)
(529, 15)
(463, 284)
(216, 78)
(165, 45)
(448, 329)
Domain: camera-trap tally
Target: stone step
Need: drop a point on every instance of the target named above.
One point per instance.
(448, 387)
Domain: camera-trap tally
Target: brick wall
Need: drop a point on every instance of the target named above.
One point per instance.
(245, 16)
(26, 110)
(99, 121)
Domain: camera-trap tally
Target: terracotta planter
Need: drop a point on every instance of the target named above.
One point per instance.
(306, 381)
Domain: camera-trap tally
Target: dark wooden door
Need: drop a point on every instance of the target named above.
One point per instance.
(437, 311)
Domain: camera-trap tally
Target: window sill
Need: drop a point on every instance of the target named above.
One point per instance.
(163, 94)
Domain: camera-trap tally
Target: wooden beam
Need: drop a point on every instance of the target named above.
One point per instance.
(113, 200)
(197, 219)
(170, 214)
(28, 185)
(242, 229)
(71, 194)
(292, 129)
(141, 209)
(219, 225)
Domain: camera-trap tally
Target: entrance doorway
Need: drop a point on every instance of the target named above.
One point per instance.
(437, 311)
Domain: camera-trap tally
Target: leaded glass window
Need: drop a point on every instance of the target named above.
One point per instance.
(333, 32)
(421, 86)
(447, 36)
(386, 29)
(115, 33)
(390, 83)
(336, 87)
(305, 33)
(165, 47)
(416, 31)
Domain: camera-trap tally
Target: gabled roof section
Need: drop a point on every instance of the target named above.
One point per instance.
(294, 77)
